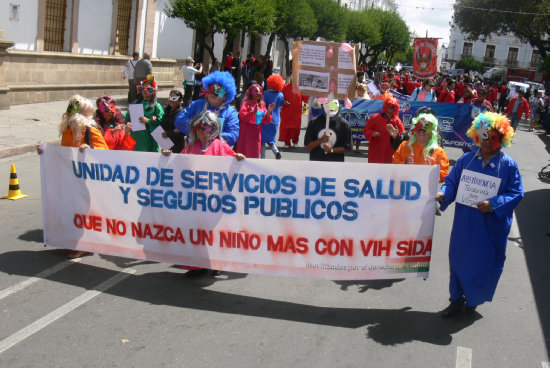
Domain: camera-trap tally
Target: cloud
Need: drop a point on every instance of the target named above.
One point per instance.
(420, 18)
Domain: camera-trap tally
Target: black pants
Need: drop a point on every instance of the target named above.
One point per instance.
(188, 94)
(132, 91)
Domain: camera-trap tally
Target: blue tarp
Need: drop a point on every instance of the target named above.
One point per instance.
(454, 119)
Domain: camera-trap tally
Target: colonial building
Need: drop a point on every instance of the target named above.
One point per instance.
(504, 51)
(51, 49)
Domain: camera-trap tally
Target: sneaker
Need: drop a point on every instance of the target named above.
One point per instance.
(278, 156)
(456, 307)
(77, 254)
(196, 273)
(287, 146)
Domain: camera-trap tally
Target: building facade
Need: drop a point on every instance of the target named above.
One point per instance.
(504, 51)
(52, 49)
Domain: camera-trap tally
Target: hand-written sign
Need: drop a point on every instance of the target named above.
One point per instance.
(475, 187)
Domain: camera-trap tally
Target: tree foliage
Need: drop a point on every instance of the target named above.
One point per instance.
(470, 64)
(394, 34)
(364, 30)
(331, 20)
(529, 20)
(223, 16)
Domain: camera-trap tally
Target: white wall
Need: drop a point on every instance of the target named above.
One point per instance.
(174, 39)
(24, 28)
(94, 26)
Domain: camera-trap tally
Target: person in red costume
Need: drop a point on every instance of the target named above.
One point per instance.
(291, 116)
(252, 116)
(383, 131)
(110, 122)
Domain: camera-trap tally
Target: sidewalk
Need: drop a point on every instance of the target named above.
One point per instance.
(23, 126)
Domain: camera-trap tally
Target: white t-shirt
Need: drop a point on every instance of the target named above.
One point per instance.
(189, 74)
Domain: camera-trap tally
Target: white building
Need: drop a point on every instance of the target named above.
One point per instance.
(56, 48)
(496, 51)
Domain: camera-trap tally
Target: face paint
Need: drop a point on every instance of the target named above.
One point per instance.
(483, 132)
(332, 108)
(219, 91)
(494, 138)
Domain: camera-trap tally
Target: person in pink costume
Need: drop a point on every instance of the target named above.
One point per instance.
(204, 139)
(252, 115)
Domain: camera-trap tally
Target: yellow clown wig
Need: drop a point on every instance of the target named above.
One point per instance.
(488, 122)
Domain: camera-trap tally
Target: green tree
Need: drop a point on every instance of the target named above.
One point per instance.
(294, 19)
(209, 17)
(362, 30)
(394, 34)
(470, 64)
(529, 20)
(331, 20)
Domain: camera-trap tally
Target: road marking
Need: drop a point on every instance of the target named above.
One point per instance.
(545, 365)
(463, 357)
(63, 310)
(42, 275)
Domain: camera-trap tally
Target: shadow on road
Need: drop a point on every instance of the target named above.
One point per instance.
(36, 235)
(365, 285)
(532, 218)
(385, 326)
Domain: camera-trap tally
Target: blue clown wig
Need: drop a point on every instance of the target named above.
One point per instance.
(224, 79)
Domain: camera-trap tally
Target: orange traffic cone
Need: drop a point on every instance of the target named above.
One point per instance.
(14, 192)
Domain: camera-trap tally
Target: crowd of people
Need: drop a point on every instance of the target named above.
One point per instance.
(220, 121)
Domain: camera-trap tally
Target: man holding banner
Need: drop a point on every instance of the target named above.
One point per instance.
(486, 185)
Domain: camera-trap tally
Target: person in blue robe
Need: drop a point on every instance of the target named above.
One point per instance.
(479, 235)
(220, 91)
(275, 83)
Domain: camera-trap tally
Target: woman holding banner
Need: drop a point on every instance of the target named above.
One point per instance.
(383, 131)
(205, 139)
(78, 129)
(422, 147)
(481, 226)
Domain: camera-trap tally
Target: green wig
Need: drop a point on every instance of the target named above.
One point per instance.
(428, 123)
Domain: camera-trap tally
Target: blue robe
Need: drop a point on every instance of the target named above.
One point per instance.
(229, 119)
(478, 240)
(269, 131)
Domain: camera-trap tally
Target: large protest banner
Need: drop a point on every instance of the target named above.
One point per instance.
(319, 68)
(454, 119)
(338, 221)
(425, 57)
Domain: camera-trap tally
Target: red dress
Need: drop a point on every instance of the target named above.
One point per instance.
(291, 116)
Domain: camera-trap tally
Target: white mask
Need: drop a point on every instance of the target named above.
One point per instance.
(331, 108)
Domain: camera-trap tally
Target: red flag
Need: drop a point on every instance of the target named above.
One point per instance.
(425, 57)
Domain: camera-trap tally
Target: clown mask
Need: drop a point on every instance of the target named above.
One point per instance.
(331, 108)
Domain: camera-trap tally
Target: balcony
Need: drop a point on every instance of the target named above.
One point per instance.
(535, 64)
(466, 55)
(511, 62)
(489, 60)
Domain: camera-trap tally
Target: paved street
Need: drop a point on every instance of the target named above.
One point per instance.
(103, 311)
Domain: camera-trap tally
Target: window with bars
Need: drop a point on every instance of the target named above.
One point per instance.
(54, 26)
(123, 27)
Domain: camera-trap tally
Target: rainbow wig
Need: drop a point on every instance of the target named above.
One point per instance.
(488, 122)
(428, 123)
(224, 79)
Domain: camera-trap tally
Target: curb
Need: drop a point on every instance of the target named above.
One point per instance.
(14, 151)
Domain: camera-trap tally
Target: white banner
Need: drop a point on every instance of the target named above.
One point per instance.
(333, 220)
